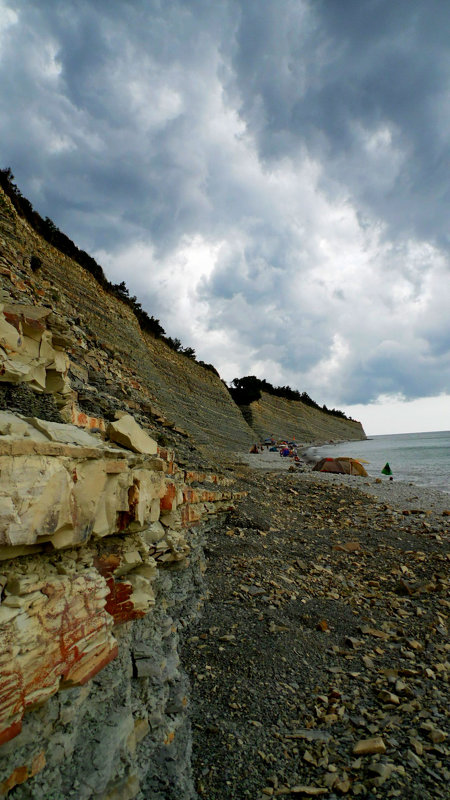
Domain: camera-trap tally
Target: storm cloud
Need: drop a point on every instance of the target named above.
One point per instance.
(269, 178)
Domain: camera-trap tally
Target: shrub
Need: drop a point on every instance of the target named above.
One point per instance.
(35, 263)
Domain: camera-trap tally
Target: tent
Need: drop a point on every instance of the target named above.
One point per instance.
(343, 465)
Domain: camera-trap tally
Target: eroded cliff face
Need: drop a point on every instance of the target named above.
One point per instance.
(113, 364)
(100, 564)
(291, 418)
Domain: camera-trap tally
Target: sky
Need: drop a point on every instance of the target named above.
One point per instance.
(269, 177)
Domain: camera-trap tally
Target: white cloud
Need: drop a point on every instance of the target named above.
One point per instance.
(261, 176)
(395, 415)
(8, 18)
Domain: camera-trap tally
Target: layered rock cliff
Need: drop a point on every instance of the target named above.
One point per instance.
(292, 418)
(102, 527)
(100, 565)
(113, 363)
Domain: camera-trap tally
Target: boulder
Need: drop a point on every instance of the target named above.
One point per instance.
(129, 434)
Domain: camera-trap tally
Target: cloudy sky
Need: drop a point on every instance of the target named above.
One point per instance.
(269, 177)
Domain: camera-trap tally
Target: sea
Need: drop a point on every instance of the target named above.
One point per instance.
(419, 458)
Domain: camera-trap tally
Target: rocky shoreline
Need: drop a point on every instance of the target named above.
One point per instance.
(401, 493)
(320, 664)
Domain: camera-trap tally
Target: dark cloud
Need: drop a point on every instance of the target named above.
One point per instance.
(340, 76)
(269, 178)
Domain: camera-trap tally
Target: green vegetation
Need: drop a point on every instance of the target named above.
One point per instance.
(246, 390)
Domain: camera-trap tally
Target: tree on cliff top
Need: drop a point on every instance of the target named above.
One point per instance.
(248, 389)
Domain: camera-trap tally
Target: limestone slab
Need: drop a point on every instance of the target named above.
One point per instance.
(129, 434)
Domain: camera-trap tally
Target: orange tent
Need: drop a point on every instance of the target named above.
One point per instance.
(343, 466)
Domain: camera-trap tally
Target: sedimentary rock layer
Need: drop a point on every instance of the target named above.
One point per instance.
(113, 363)
(86, 527)
(291, 418)
(110, 355)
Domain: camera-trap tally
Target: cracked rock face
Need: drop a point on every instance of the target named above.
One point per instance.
(28, 353)
(100, 563)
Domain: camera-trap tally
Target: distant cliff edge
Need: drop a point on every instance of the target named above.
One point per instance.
(286, 419)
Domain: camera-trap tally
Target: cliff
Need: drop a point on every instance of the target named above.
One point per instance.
(292, 418)
(107, 494)
(112, 362)
(101, 565)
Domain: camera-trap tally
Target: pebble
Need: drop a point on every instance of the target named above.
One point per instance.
(378, 670)
(369, 746)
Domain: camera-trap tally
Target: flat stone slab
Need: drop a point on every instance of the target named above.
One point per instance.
(129, 434)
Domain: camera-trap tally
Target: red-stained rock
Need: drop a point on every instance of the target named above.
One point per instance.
(191, 514)
(60, 632)
(166, 454)
(18, 776)
(56, 623)
(190, 495)
(87, 667)
(9, 733)
(82, 420)
(167, 503)
(119, 601)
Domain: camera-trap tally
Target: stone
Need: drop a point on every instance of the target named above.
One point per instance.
(126, 432)
(417, 744)
(382, 770)
(27, 354)
(348, 547)
(64, 433)
(369, 746)
(63, 485)
(13, 426)
(66, 492)
(437, 736)
(310, 734)
(126, 789)
(388, 697)
(46, 643)
(23, 773)
(343, 786)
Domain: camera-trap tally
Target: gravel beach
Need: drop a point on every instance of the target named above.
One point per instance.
(406, 495)
(319, 665)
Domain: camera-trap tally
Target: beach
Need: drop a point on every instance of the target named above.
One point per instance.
(404, 494)
(319, 665)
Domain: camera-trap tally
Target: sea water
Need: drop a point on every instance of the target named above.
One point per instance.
(419, 458)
